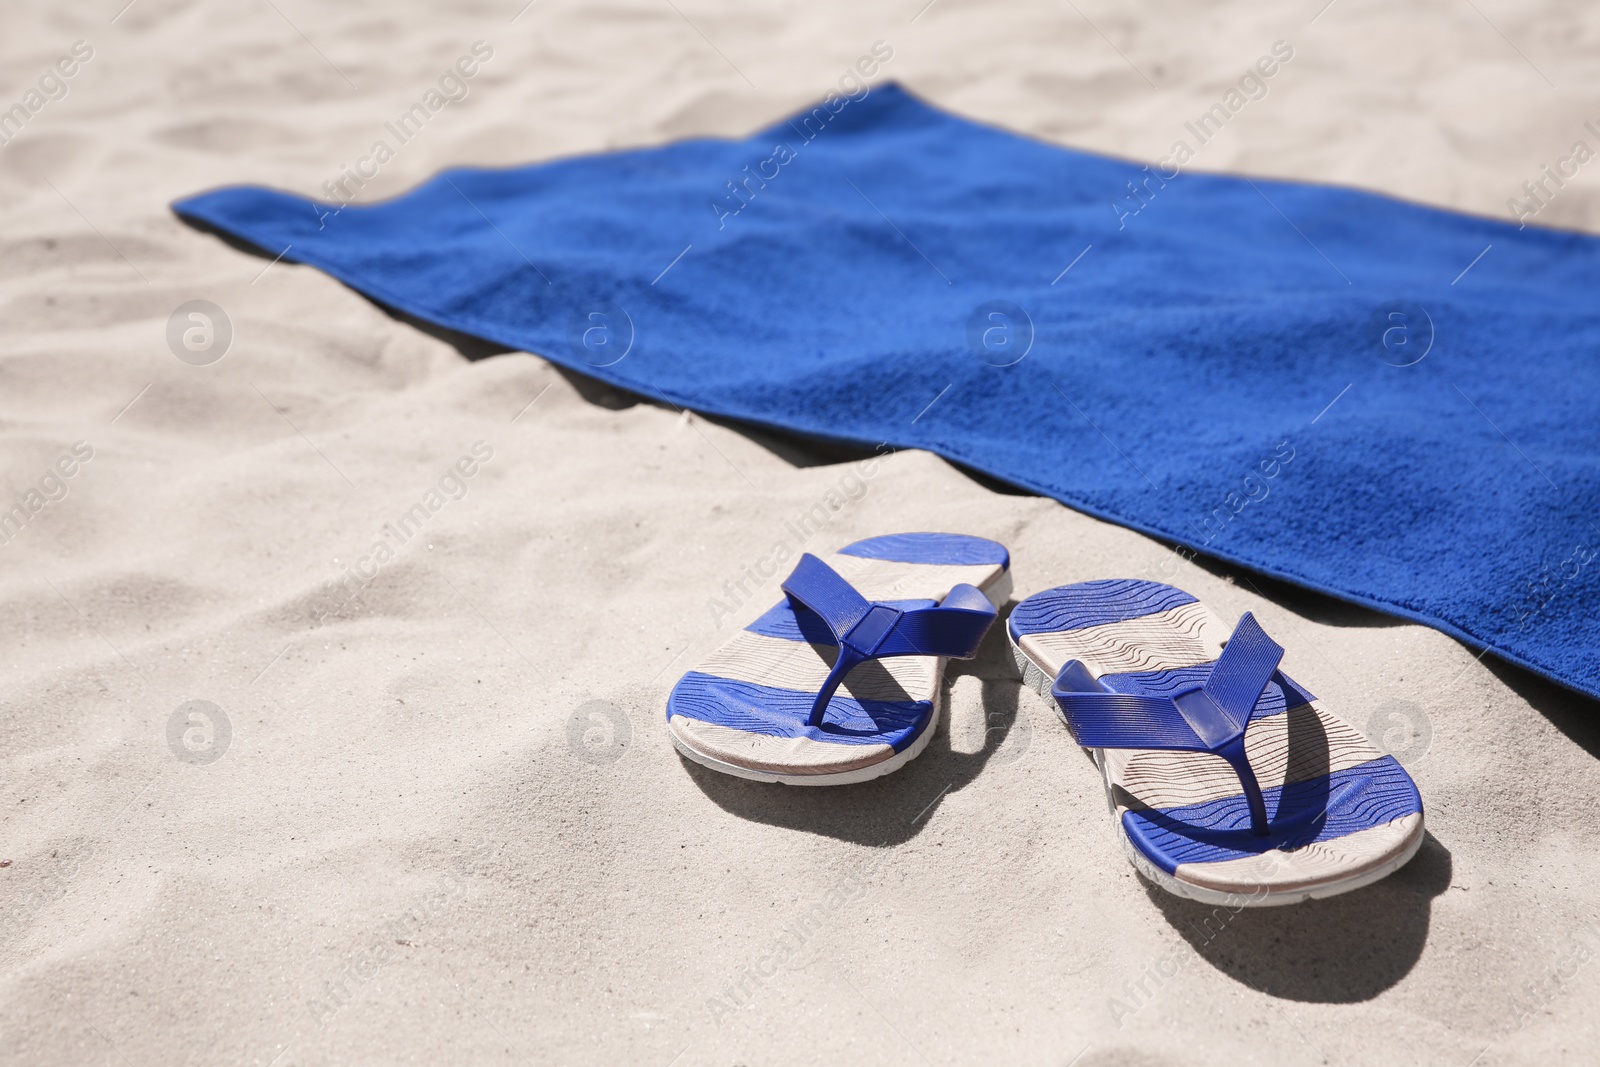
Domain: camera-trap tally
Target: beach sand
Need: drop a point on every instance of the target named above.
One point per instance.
(440, 820)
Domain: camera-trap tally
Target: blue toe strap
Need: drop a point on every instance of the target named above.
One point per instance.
(866, 630)
(1212, 717)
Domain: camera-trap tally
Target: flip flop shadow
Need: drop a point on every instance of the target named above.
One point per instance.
(1342, 950)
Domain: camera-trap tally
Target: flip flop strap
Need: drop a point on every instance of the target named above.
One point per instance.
(865, 629)
(1211, 717)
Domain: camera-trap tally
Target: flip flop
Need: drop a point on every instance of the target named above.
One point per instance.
(780, 702)
(1228, 783)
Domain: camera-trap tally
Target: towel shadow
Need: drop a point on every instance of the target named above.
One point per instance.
(238, 244)
(1577, 716)
(470, 346)
(1342, 950)
(794, 449)
(1306, 603)
(893, 809)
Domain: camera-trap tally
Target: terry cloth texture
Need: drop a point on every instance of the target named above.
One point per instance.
(1386, 402)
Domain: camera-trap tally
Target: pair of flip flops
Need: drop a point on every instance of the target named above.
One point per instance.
(1227, 781)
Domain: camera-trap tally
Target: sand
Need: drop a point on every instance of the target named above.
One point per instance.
(435, 818)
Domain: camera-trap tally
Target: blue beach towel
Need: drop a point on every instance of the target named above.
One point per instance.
(1385, 402)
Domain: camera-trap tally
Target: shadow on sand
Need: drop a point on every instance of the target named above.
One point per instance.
(1342, 950)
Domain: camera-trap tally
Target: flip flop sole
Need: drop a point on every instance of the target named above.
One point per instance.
(742, 711)
(850, 776)
(1150, 638)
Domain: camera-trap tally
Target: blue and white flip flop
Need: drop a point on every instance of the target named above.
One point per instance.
(1228, 783)
(840, 682)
